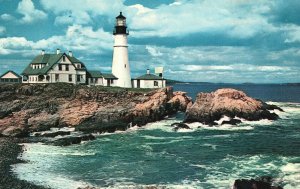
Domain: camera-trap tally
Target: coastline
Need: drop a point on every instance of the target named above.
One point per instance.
(9, 152)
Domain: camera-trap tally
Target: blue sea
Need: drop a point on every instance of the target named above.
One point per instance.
(203, 157)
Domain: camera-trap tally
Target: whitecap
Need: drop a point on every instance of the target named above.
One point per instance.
(227, 127)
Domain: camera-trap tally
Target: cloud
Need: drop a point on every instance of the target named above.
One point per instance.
(234, 67)
(2, 30)
(77, 38)
(81, 11)
(6, 17)
(237, 19)
(293, 33)
(30, 14)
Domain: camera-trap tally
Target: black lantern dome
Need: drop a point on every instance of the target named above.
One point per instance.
(120, 27)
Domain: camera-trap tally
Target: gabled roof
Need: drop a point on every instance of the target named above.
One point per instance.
(109, 76)
(17, 75)
(94, 74)
(150, 77)
(50, 60)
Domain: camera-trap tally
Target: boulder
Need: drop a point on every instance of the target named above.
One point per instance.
(69, 140)
(210, 107)
(260, 183)
(232, 122)
(178, 126)
(53, 134)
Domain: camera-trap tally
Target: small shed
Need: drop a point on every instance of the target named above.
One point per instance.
(10, 77)
(149, 81)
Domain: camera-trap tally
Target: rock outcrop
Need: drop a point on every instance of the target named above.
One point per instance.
(26, 108)
(210, 107)
(260, 183)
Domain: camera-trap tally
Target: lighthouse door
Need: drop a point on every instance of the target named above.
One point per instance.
(138, 84)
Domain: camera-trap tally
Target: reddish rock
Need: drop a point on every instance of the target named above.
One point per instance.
(39, 107)
(210, 107)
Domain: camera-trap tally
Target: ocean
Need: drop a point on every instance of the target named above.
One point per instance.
(156, 155)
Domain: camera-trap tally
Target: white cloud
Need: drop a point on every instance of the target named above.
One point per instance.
(77, 38)
(234, 67)
(2, 30)
(81, 11)
(224, 16)
(153, 51)
(6, 17)
(293, 33)
(30, 14)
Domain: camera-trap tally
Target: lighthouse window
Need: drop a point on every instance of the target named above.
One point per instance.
(125, 65)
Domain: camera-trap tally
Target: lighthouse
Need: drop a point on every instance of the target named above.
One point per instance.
(120, 64)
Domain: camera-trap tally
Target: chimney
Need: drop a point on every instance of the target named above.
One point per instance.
(70, 53)
(57, 51)
(43, 52)
(148, 71)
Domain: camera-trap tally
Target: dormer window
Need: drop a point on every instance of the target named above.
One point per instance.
(78, 66)
(64, 58)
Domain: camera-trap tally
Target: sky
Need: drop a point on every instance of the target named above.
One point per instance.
(230, 41)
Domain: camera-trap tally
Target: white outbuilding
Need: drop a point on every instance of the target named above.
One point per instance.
(10, 77)
(149, 81)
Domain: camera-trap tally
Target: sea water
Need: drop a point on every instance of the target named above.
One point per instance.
(156, 155)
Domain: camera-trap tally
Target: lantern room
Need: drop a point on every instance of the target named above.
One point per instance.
(120, 27)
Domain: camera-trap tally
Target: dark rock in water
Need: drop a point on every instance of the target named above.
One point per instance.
(261, 183)
(66, 141)
(210, 107)
(110, 127)
(180, 126)
(53, 134)
(232, 122)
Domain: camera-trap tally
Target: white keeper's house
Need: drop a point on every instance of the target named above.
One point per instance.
(62, 67)
(53, 68)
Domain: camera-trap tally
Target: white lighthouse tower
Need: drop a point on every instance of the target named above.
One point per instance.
(120, 64)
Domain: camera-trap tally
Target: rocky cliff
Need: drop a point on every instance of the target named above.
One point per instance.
(210, 107)
(26, 108)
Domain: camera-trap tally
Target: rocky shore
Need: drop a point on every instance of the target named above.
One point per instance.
(9, 151)
(29, 108)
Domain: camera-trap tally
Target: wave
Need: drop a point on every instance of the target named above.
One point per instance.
(42, 149)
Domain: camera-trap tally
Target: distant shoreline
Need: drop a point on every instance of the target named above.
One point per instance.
(170, 82)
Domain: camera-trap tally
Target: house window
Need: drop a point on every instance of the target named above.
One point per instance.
(112, 81)
(156, 83)
(78, 78)
(60, 67)
(70, 77)
(64, 58)
(56, 77)
(96, 80)
(67, 67)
